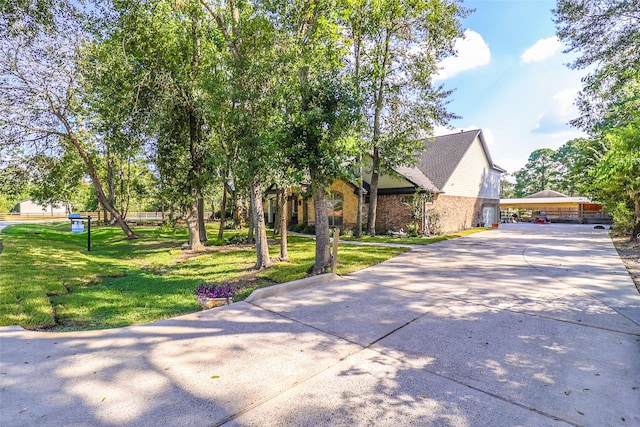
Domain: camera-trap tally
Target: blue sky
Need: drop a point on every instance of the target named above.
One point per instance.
(511, 80)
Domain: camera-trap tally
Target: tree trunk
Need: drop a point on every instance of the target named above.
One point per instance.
(323, 241)
(358, 231)
(201, 224)
(111, 184)
(373, 194)
(193, 224)
(262, 247)
(277, 220)
(375, 173)
(252, 228)
(284, 247)
(235, 211)
(636, 217)
(97, 184)
(223, 211)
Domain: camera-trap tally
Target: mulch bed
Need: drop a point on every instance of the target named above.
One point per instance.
(630, 254)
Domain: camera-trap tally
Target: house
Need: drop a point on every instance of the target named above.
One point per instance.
(29, 207)
(454, 186)
(557, 206)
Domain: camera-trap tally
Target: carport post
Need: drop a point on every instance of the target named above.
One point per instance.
(89, 233)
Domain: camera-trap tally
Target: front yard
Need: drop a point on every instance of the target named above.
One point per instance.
(48, 280)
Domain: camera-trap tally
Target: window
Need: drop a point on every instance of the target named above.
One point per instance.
(334, 209)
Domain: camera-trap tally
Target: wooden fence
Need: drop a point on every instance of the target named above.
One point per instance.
(136, 217)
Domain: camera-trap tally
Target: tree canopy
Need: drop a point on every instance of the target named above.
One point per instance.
(606, 36)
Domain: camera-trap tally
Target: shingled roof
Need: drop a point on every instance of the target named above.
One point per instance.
(442, 155)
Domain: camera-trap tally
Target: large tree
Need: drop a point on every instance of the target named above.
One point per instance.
(41, 103)
(320, 109)
(606, 35)
(253, 68)
(396, 47)
(540, 173)
(155, 59)
(617, 176)
(576, 160)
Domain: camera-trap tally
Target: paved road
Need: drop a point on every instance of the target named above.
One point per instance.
(524, 325)
(3, 224)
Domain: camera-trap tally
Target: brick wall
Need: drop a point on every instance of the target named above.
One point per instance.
(349, 204)
(392, 214)
(459, 213)
(455, 212)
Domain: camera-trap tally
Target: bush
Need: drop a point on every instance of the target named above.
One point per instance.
(347, 232)
(297, 228)
(412, 230)
(309, 229)
(229, 225)
(236, 239)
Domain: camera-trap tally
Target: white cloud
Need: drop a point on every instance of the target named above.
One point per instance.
(561, 110)
(541, 50)
(489, 137)
(473, 52)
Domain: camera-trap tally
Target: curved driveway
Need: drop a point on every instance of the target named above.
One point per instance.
(534, 325)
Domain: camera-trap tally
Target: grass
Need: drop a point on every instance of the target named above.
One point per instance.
(49, 281)
(413, 240)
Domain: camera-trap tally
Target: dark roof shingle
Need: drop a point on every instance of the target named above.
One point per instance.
(442, 155)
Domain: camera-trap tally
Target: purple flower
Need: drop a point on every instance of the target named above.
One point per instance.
(215, 291)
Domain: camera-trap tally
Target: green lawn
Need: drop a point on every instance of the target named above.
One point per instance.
(49, 280)
(413, 240)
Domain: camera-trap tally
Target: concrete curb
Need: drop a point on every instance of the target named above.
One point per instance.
(282, 288)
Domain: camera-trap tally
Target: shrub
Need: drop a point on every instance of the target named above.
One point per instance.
(309, 229)
(347, 232)
(412, 230)
(236, 239)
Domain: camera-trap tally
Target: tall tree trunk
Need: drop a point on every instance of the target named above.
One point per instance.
(201, 223)
(277, 220)
(373, 194)
(238, 217)
(194, 219)
(252, 228)
(375, 172)
(636, 217)
(111, 183)
(358, 231)
(284, 246)
(97, 184)
(357, 46)
(323, 241)
(262, 247)
(124, 205)
(223, 210)
(193, 224)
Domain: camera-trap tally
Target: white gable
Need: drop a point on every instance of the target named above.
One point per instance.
(474, 176)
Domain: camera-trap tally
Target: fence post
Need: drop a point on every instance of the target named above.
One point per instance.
(334, 258)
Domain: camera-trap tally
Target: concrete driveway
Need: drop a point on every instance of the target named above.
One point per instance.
(532, 325)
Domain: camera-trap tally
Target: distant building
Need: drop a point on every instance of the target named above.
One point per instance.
(29, 207)
(557, 206)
